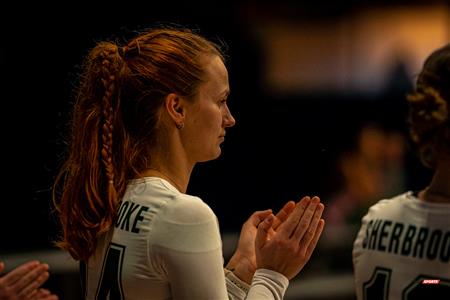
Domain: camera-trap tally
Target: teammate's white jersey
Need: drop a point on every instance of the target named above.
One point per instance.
(166, 245)
(403, 243)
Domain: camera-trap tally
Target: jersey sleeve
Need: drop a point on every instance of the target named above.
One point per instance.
(359, 240)
(185, 245)
(357, 244)
(358, 251)
(187, 248)
(358, 257)
(268, 284)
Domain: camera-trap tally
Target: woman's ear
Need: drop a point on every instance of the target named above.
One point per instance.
(174, 105)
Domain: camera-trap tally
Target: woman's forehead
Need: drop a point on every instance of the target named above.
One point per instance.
(216, 76)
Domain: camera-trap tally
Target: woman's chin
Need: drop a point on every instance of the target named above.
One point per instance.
(212, 156)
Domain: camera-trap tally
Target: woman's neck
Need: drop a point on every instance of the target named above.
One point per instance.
(439, 187)
(178, 182)
(172, 165)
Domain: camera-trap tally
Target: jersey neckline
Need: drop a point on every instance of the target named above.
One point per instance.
(146, 179)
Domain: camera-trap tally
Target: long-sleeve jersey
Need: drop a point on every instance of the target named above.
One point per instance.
(167, 245)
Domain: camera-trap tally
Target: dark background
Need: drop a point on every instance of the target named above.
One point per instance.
(281, 148)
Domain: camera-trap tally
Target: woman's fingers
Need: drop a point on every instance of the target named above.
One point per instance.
(19, 272)
(259, 216)
(311, 232)
(311, 229)
(33, 281)
(291, 245)
(263, 231)
(288, 227)
(305, 220)
(317, 234)
(24, 281)
(44, 294)
(283, 214)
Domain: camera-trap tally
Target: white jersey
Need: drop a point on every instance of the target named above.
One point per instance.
(167, 245)
(402, 250)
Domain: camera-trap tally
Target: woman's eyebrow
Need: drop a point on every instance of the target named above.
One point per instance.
(225, 93)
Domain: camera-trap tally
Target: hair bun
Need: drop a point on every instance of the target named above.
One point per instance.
(428, 111)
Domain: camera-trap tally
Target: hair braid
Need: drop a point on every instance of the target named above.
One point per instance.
(91, 209)
(107, 131)
(108, 112)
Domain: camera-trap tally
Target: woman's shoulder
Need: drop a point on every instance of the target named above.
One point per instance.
(183, 222)
(175, 206)
(189, 209)
(389, 204)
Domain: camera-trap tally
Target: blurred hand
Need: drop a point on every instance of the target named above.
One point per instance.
(23, 282)
(289, 248)
(44, 294)
(243, 262)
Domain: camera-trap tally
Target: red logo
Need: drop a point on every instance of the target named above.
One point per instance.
(430, 281)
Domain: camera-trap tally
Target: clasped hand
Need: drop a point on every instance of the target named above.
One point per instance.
(23, 283)
(283, 243)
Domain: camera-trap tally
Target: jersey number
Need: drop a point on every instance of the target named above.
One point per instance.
(378, 287)
(110, 277)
